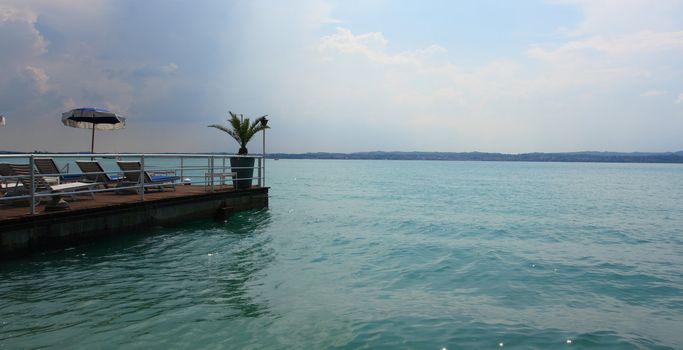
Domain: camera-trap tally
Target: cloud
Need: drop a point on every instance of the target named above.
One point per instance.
(680, 98)
(554, 91)
(345, 41)
(39, 77)
(616, 43)
(652, 93)
(169, 68)
(572, 83)
(148, 71)
(24, 87)
(642, 43)
(20, 40)
(373, 46)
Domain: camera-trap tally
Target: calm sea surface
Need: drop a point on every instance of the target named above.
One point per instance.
(381, 254)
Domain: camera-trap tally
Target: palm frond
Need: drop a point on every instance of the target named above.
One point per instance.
(219, 127)
(241, 129)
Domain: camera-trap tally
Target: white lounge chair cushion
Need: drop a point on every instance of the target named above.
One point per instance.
(10, 185)
(71, 186)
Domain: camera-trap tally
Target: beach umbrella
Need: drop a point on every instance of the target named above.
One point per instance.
(93, 118)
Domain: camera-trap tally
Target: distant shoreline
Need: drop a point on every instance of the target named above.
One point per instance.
(571, 157)
(563, 157)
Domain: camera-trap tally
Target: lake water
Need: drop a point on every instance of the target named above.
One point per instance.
(381, 254)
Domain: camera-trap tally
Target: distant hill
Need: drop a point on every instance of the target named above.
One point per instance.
(589, 156)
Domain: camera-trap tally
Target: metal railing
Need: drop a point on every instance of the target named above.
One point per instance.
(181, 169)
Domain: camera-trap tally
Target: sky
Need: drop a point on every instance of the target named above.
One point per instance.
(346, 76)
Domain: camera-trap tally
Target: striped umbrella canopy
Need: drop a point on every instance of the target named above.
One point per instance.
(93, 118)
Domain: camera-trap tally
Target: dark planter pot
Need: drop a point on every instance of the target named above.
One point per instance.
(244, 167)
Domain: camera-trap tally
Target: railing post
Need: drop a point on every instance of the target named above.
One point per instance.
(258, 164)
(33, 186)
(182, 178)
(142, 178)
(211, 171)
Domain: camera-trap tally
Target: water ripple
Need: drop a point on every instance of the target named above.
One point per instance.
(424, 255)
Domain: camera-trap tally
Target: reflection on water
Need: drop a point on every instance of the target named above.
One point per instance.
(244, 263)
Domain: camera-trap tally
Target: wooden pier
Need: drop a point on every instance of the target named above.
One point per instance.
(110, 213)
(103, 200)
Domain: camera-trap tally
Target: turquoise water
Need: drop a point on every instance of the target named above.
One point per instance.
(381, 254)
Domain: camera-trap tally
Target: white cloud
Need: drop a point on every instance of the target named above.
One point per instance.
(40, 78)
(642, 43)
(345, 41)
(617, 43)
(652, 93)
(373, 46)
(565, 87)
(20, 40)
(170, 68)
(680, 98)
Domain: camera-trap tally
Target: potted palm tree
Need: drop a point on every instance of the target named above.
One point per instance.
(242, 130)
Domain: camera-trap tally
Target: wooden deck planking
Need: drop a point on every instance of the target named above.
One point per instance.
(104, 199)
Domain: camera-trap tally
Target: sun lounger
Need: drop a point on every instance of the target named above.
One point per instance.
(94, 172)
(8, 184)
(5, 170)
(48, 167)
(7, 181)
(40, 186)
(11, 187)
(132, 176)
